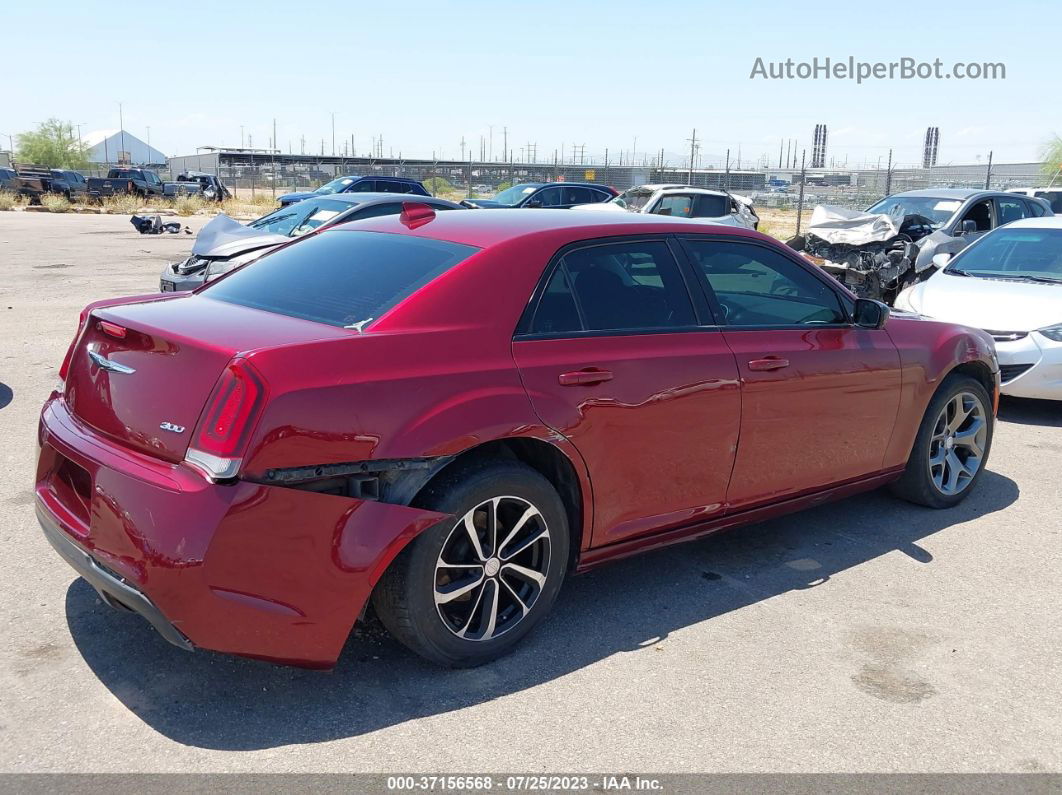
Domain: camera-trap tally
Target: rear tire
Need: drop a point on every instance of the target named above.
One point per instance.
(468, 590)
(951, 449)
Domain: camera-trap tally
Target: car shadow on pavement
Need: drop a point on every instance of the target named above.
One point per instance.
(226, 703)
(1027, 411)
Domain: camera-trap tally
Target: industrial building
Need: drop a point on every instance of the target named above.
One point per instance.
(120, 146)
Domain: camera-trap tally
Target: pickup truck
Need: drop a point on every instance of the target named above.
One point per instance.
(141, 181)
(34, 181)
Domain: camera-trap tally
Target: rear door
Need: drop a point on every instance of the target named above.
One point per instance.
(615, 357)
(819, 395)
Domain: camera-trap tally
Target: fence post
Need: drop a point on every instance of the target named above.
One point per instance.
(888, 176)
(988, 173)
(606, 166)
(726, 178)
(800, 198)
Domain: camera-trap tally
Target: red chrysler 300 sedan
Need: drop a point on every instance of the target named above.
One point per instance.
(445, 416)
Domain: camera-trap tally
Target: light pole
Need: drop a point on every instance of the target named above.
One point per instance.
(333, 134)
(121, 130)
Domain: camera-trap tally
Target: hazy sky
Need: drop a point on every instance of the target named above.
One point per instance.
(424, 74)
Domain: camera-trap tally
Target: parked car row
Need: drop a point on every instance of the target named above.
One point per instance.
(34, 182)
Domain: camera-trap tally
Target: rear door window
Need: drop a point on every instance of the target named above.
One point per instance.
(1009, 210)
(622, 287)
(676, 206)
(340, 278)
(365, 186)
(709, 206)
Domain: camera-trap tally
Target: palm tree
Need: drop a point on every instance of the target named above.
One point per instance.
(1052, 155)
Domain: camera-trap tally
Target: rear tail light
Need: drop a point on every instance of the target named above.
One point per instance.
(64, 368)
(227, 421)
(113, 329)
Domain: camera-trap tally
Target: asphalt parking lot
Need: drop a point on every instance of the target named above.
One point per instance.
(867, 635)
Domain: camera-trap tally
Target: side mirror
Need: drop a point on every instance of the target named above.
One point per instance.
(533, 203)
(870, 314)
(968, 227)
(940, 260)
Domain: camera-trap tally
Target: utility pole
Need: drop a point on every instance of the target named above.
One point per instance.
(780, 142)
(333, 134)
(888, 176)
(462, 147)
(693, 153)
(490, 154)
(273, 156)
(352, 152)
(800, 200)
(505, 148)
(242, 146)
(149, 136)
(121, 127)
(988, 173)
(726, 178)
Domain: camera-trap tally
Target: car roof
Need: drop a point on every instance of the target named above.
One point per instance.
(947, 193)
(372, 197)
(1044, 222)
(483, 228)
(372, 176)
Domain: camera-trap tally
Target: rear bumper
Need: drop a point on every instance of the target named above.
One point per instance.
(113, 589)
(260, 571)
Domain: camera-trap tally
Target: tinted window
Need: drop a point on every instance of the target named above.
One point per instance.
(1011, 210)
(1054, 198)
(365, 186)
(599, 195)
(390, 208)
(340, 278)
(556, 312)
(1036, 210)
(389, 186)
(620, 286)
(759, 287)
(980, 214)
(550, 197)
(578, 196)
(708, 206)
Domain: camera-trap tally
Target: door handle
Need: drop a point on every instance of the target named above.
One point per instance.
(587, 377)
(768, 363)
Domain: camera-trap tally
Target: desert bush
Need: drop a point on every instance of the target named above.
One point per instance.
(188, 205)
(56, 203)
(123, 203)
(9, 200)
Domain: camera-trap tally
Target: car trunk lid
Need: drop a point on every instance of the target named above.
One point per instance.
(141, 373)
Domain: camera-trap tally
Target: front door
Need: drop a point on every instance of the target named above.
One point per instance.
(819, 395)
(614, 357)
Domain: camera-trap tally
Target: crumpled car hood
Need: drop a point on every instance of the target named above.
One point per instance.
(853, 227)
(227, 237)
(996, 304)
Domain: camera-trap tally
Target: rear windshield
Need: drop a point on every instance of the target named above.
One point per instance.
(340, 278)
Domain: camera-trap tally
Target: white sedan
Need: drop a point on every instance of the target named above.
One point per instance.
(1008, 283)
(682, 201)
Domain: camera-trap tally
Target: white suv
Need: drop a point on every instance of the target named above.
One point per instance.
(683, 201)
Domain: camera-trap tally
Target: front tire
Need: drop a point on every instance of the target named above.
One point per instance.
(469, 589)
(951, 449)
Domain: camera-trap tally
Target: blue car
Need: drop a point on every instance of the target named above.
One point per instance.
(355, 184)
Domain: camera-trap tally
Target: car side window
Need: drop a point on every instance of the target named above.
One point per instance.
(980, 214)
(632, 286)
(578, 196)
(678, 206)
(376, 210)
(756, 286)
(365, 186)
(599, 195)
(550, 197)
(708, 206)
(1011, 210)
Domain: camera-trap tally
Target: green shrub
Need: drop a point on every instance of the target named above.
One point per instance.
(9, 201)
